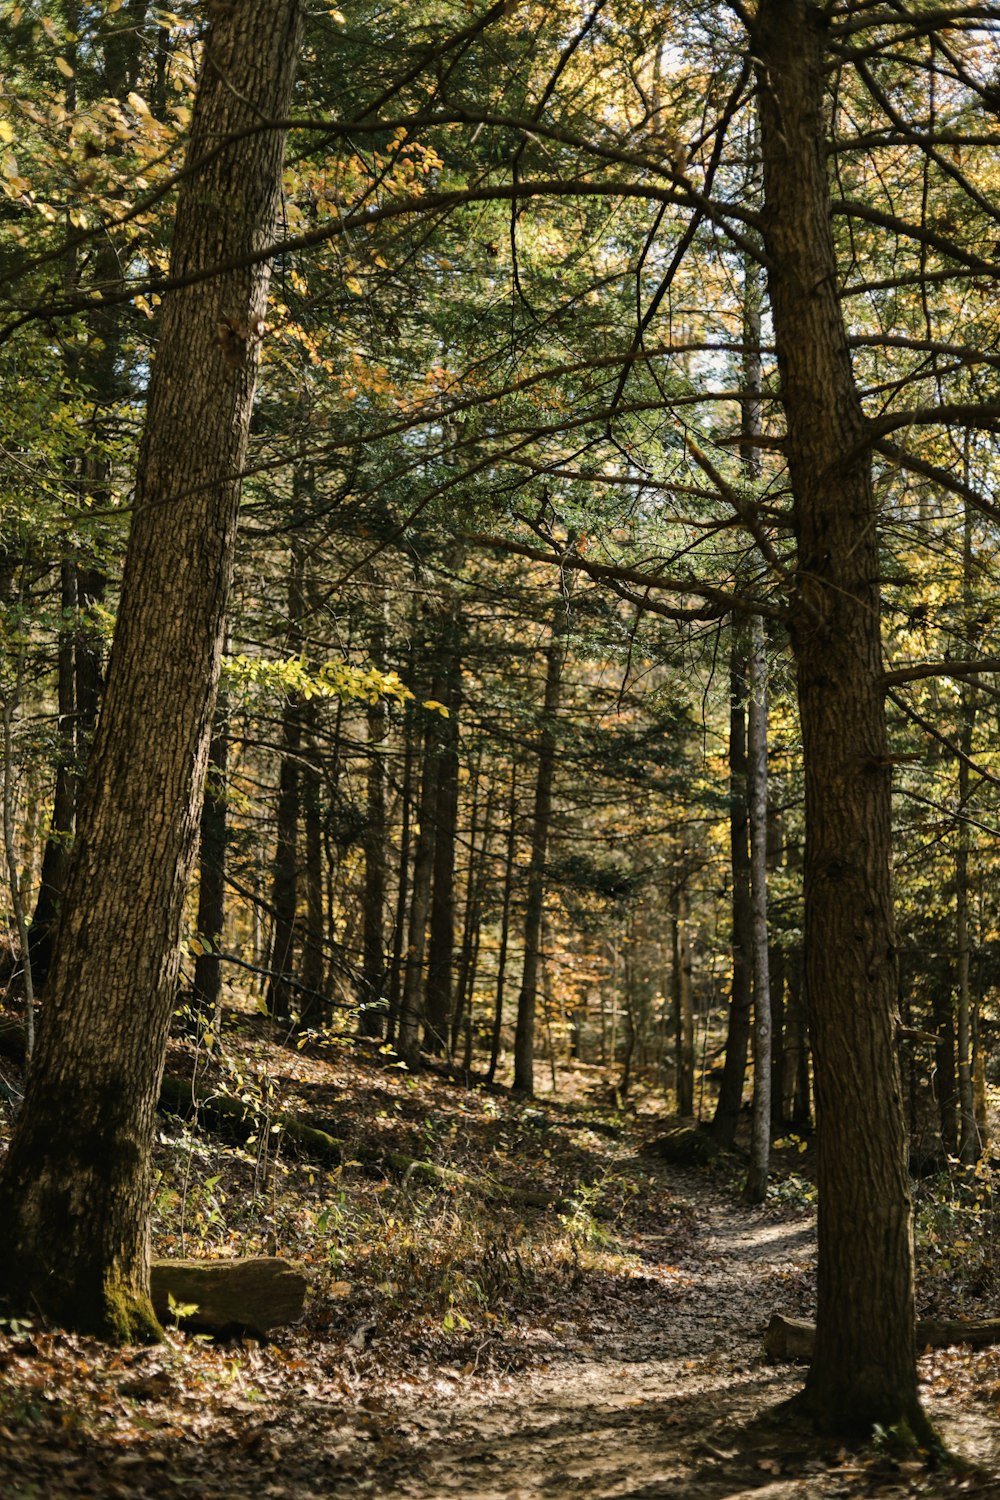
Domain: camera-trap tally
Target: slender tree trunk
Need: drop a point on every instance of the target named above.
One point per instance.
(524, 1040)
(730, 1102)
(683, 1012)
(371, 1020)
(755, 1190)
(212, 874)
(398, 973)
(441, 939)
(864, 1366)
(281, 995)
(74, 1203)
(505, 906)
(411, 1010)
(313, 1009)
(55, 860)
(969, 1144)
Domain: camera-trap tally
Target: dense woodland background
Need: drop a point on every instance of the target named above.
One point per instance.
(525, 584)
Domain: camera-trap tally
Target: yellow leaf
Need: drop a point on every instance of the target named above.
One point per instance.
(6, 132)
(335, 15)
(354, 285)
(436, 707)
(139, 104)
(64, 68)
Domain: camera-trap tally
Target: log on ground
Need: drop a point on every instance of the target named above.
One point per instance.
(792, 1339)
(256, 1294)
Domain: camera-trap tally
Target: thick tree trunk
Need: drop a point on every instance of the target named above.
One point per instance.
(864, 1369)
(74, 1202)
(524, 1040)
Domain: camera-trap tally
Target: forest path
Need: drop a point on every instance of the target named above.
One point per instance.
(678, 1405)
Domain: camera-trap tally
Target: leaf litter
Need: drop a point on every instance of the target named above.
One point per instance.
(611, 1347)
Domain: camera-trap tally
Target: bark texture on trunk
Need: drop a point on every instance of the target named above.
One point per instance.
(682, 1006)
(730, 1102)
(74, 1202)
(524, 1039)
(763, 1039)
(864, 1367)
(212, 878)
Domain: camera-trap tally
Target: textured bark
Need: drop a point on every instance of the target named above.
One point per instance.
(411, 1007)
(505, 906)
(74, 1203)
(524, 1039)
(864, 1368)
(285, 870)
(371, 1020)
(212, 876)
(313, 1011)
(441, 939)
(683, 1014)
(730, 1101)
(755, 1190)
(55, 860)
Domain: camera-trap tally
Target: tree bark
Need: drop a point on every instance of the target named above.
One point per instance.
(74, 1203)
(505, 905)
(371, 1020)
(411, 1007)
(524, 1040)
(864, 1370)
(681, 996)
(755, 1190)
(212, 875)
(441, 939)
(55, 860)
(730, 1101)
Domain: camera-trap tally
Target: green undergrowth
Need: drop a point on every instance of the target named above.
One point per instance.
(385, 1250)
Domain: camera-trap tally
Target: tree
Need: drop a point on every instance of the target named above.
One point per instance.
(864, 1368)
(75, 1202)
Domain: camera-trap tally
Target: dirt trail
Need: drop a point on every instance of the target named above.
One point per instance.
(683, 1408)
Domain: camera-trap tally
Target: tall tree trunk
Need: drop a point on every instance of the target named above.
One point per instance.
(371, 1020)
(755, 1190)
(864, 1366)
(969, 1144)
(505, 906)
(74, 1203)
(398, 970)
(524, 1040)
(730, 1101)
(441, 940)
(313, 1009)
(55, 860)
(285, 871)
(680, 981)
(212, 874)
(411, 1008)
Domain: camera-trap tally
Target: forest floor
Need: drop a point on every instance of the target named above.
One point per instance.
(453, 1344)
